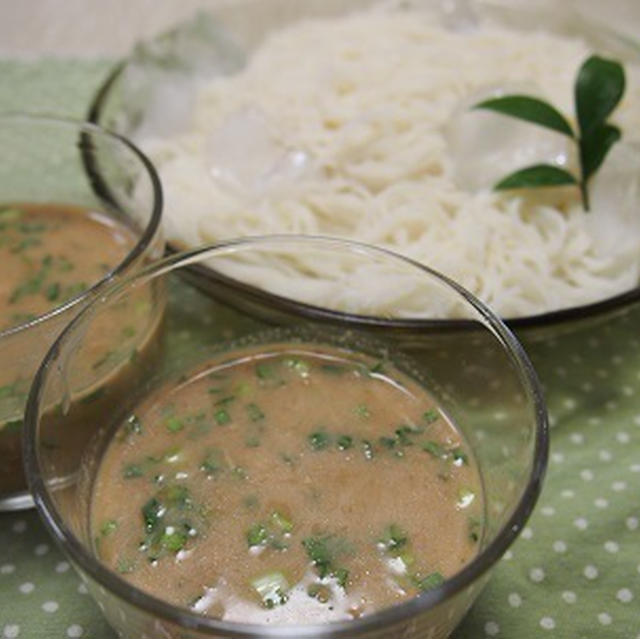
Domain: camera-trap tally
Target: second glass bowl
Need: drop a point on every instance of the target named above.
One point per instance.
(54, 166)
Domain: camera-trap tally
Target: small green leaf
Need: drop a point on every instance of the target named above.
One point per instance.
(599, 87)
(595, 146)
(530, 109)
(540, 175)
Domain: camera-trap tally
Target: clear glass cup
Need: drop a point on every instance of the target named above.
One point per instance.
(476, 371)
(72, 164)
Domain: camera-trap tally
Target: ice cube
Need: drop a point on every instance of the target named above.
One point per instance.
(245, 153)
(458, 15)
(614, 191)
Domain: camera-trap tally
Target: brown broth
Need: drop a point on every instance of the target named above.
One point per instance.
(50, 254)
(287, 483)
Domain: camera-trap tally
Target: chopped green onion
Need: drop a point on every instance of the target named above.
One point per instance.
(225, 401)
(429, 582)
(300, 366)
(132, 425)
(174, 541)
(319, 440)
(324, 552)
(52, 292)
(239, 472)
(272, 588)
(459, 457)
(213, 464)
(333, 369)
(475, 526)
(222, 417)
(264, 371)
(394, 539)
(108, 527)
(254, 412)
(387, 442)
(320, 592)
(152, 512)
(125, 566)
(430, 416)
(285, 524)
(378, 367)
(257, 535)
(131, 471)
(128, 331)
(435, 449)
(174, 424)
(362, 411)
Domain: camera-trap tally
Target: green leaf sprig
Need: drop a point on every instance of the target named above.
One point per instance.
(598, 89)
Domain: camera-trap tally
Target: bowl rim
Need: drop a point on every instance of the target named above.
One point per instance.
(478, 567)
(150, 232)
(539, 321)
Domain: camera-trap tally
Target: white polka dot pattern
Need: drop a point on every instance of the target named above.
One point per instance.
(573, 572)
(575, 567)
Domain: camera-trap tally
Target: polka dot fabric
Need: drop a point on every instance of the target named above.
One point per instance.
(40, 594)
(574, 572)
(575, 569)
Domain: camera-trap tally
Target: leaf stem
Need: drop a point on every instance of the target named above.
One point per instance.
(584, 193)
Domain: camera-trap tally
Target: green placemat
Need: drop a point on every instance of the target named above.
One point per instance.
(574, 573)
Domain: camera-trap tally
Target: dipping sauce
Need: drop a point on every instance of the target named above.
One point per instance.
(50, 253)
(287, 483)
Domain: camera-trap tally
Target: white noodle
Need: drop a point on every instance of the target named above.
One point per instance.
(343, 128)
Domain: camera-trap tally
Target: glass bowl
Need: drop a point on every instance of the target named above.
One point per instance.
(221, 46)
(476, 371)
(43, 165)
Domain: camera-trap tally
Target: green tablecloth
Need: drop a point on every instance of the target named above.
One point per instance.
(574, 573)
